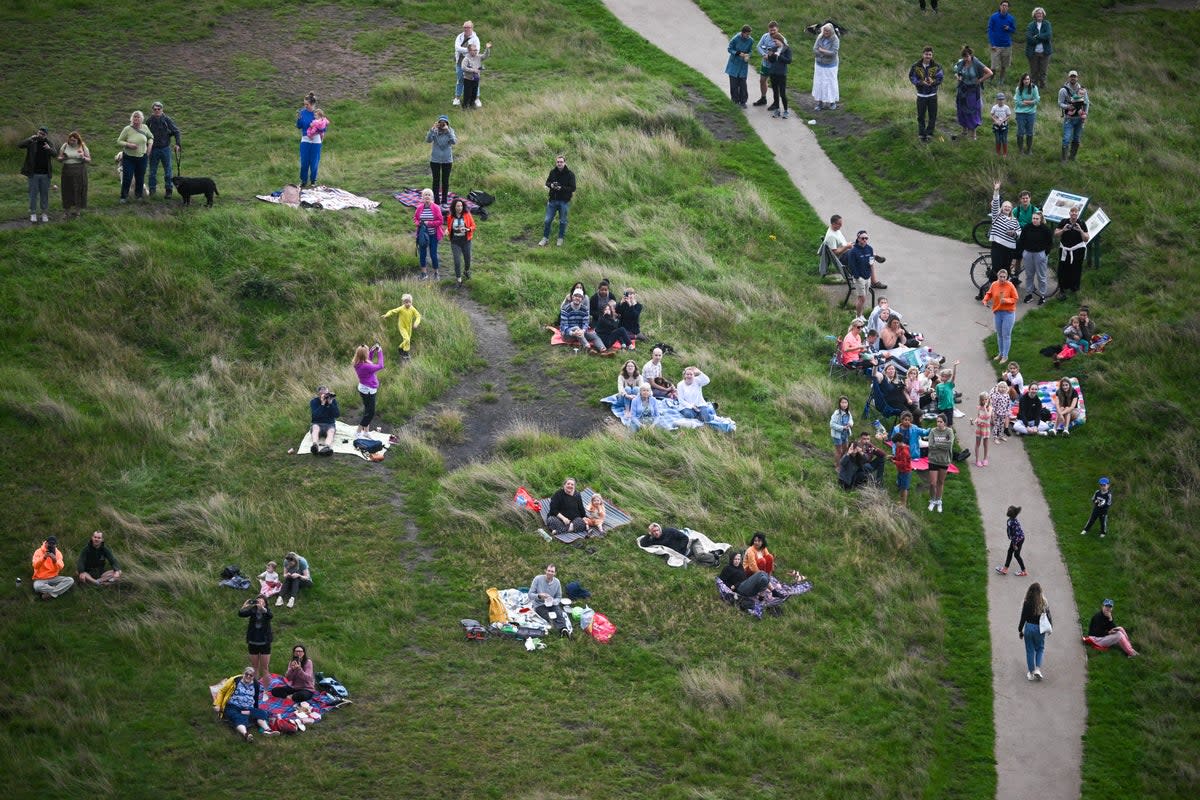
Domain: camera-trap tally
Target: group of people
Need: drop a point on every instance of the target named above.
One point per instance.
(599, 322)
(96, 566)
(774, 55)
(857, 258)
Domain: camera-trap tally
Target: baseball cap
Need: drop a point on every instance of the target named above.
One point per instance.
(1104, 481)
(1001, 96)
(1108, 602)
(577, 293)
(443, 118)
(1072, 74)
(43, 129)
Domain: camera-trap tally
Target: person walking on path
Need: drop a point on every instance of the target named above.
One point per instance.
(737, 67)
(442, 139)
(779, 59)
(164, 130)
(1039, 46)
(561, 183)
(1102, 500)
(926, 75)
(1030, 629)
(39, 153)
(431, 227)
(1016, 540)
(460, 225)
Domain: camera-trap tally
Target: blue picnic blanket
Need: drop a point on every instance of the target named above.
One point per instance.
(671, 416)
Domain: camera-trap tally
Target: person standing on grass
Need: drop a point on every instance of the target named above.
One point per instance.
(296, 576)
(75, 157)
(1102, 500)
(1029, 629)
(408, 319)
(561, 183)
(461, 227)
(39, 153)
(902, 458)
(927, 76)
(1034, 244)
(1105, 633)
(472, 70)
(1001, 297)
(738, 66)
(968, 98)
(1074, 102)
(1016, 540)
(766, 44)
(1001, 113)
(47, 563)
(1039, 46)
(310, 146)
(367, 363)
(258, 635)
(841, 424)
(431, 226)
(441, 157)
(825, 70)
(323, 411)
(97, 565)
(1025, 102)
(941, 452)
(1073, 236)
(461, 42)
(1000, 29)
(164, 129)
(136, 141)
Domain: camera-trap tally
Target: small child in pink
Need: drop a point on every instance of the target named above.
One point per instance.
(269, 579)
(983, 427)
(1001, 411)
(318, 125)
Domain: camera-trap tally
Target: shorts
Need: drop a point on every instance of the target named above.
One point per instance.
(938, 467)
(325, 427)
(842, 439)
(860, 286)
(259, 649)
(904, 480)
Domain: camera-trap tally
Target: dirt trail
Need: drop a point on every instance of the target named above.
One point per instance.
(1039, 726)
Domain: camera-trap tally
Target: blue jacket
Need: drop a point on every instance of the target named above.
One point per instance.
(915, 435)
(1000, 29)
(859, 260)
(735, 67)
(304, 120)
(324, 414)
(636, 407)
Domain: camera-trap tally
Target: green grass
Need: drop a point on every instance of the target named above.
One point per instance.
(157, 368)
(1139, 162)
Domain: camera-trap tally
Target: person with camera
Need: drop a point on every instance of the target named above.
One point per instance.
(442, 139)
(47, 563)
(97, 565)
(561, 183)
(1074, 102)
(39, 152)
(325, 411)
(737, 67)
(1072, 235)
(298, 682)
(630, 312)
(258, 635)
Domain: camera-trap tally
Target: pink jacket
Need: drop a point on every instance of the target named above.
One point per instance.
(439, 220)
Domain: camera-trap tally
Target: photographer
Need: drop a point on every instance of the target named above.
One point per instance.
(47, 563)
(325, 411)
(258, 635)
(39, 153)
(442, 139)
(561, 184)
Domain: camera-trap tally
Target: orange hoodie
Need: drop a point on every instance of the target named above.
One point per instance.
(1002, 296)
(45, 567)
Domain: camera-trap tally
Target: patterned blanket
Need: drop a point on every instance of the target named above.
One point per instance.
(283, 706)
(410, 198)
(324, 197)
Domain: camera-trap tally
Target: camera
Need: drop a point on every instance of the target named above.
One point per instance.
(331, 395)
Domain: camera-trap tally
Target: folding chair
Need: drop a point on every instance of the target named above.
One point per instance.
(836, 367)
(877, 399)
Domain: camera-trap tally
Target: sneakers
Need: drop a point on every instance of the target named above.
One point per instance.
(1037, 673)
(33, 217)
(939, 502)
(437, 275)
(785, 115)
(878, 284)
(1028, 676)
(1001, 570)
(776, 114)
(312, 449)
(279, 600)
(478, 103)
(1101, 534)
(560, 241)
(424, 276)
(1027, 298)
(1083, 532)
(291, 603)
(932, 503)
(1022, 574)
(762, 101)
(456, 102)
(45, 217)
(543, 242)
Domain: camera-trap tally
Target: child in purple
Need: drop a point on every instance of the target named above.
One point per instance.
(367, 362)
(1016, 539)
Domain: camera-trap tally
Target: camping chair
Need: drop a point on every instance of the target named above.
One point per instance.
(887, 413)
(836, 367)
(827, 259)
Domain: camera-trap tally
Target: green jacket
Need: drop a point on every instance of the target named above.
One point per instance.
(1033, 38)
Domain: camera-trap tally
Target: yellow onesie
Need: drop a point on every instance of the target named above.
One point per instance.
(408, 319)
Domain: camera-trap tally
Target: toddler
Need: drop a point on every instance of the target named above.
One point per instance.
(1074, 335)
(1001, 411)
(269, 580)
(318, 125)
(408, 319)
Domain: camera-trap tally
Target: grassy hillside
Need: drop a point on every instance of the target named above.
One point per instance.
(1139, 162)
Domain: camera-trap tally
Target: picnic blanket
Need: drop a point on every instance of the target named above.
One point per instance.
(671, 415)
(922, 464)
(518, 610)
(696, 541)
(343, 440)
(1046, 390)
(775, 595)
(557, 339)
(613, 516)
(410, 197)
(324, 197)
(321, 703)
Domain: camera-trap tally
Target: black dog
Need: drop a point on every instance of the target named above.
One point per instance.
(190, 186)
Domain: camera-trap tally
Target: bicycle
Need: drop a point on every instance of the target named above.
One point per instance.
(981, 267)
(980, 232)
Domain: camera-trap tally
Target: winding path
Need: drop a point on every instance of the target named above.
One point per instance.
(1039, 727)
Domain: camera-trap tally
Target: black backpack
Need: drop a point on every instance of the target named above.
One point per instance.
(230, 571)
(481, 198)
(368, 445)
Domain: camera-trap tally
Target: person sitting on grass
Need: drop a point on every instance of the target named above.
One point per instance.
(740, 580)
(691, 396)
(758, 558)
(545, 594)
(298, 682)
(608, 328)
(1030, 414)
(296, 576)
(1074, 336)
(644, 409)
(1103, 632)
(242, 706)
(325, 411)
(629, 380)
(97, 565)
(47, 563)
(598, 301)
(629, 310)
(882, 314)
(573, 324)
(1066, 406)
(594, 516)
(566, 513)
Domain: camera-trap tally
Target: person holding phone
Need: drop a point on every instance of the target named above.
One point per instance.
(47, 563)
(258, 635)
(298, 682)
(442, 139)
(39, 152)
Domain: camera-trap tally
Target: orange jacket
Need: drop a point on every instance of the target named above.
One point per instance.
(45, 567)
(468, 221)
(1002, 296)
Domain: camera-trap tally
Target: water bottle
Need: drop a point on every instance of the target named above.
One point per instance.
(879, 427)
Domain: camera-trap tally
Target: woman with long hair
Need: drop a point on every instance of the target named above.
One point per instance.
(1029, 629)
(968, 99)
(258, 635)
(941, 452)
(840, 426)
(461, 226)
(608, 328)
(758, 558)
(629, 380)
(1025, 106)
(367, 368)
(298, 682)
(75, 157)
(778, 60)
(1066, 404)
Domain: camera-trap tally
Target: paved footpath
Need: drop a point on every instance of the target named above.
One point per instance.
(1039, 726)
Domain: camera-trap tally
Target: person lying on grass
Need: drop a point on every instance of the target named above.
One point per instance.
(673, 538)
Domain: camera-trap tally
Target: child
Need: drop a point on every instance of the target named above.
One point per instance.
(472, 64)
(902, 458)
(1101, 502)
(269, 580)
(983, 427)
(945, 394)
(840, 425)
(1001, 411)
(408, 320)
(594, 515)
(318, 125)
(1016, 538)
(1015, 380)
(1000, 116)
(1074, 336)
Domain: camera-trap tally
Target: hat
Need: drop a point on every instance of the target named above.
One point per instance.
(577, 293)
(1072, 74)
(1001, 96)
(1104, 481)
(576, 591)
(43, 129)
(52, 540)
(443, 118)
(1108, 602)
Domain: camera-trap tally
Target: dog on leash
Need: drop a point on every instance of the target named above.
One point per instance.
(190, 186)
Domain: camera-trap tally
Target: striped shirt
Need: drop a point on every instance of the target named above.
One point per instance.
(1005, 228)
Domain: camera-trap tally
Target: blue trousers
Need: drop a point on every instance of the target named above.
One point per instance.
(1035, 645)
(560, 207)
(310, 159)
(1004, 325)
(160, 155)
(1072, 130)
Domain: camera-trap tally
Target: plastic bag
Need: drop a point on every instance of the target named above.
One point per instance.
(601, 629)
(523, 499)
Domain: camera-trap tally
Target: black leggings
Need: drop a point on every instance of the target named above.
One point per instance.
(1097, 514)
(1014, 551)
(470, 93)
(291, 586)
(779, 91)
(368, 409)
(577, 525)
(738, 92)
(441, 181)
(297, 695)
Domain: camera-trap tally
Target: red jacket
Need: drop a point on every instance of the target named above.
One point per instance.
(903, 458)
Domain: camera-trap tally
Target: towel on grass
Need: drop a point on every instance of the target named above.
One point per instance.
(410, 198)
(922, 464)
(670, 415)
(324, 197)
(697, 542)
(321, 702)
(613, 516)
(343, 440)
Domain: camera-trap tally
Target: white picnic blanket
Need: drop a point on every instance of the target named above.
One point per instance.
(343, 440)
(696, 541)
(327, 198)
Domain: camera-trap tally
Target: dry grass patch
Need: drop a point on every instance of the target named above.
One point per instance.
(713, 688)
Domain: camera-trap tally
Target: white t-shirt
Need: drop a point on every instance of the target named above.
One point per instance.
(652, 370)
(834, 239)
(1001, 113)
(692, 394)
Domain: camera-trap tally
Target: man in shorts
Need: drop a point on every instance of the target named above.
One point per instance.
(325, 411)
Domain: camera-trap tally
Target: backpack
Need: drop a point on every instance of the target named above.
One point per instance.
(481, 198)
(368, 445)
(285, 726)
(230, 571)
(333, 686)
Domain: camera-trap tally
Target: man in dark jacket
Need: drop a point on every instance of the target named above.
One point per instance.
(164, 129)
(39, 155)
(926, 75)
(673, 538)
(325, 411)
(561, 184)
(97, 565)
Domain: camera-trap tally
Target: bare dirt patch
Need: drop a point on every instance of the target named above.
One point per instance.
(721, 126)
(840, 122)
